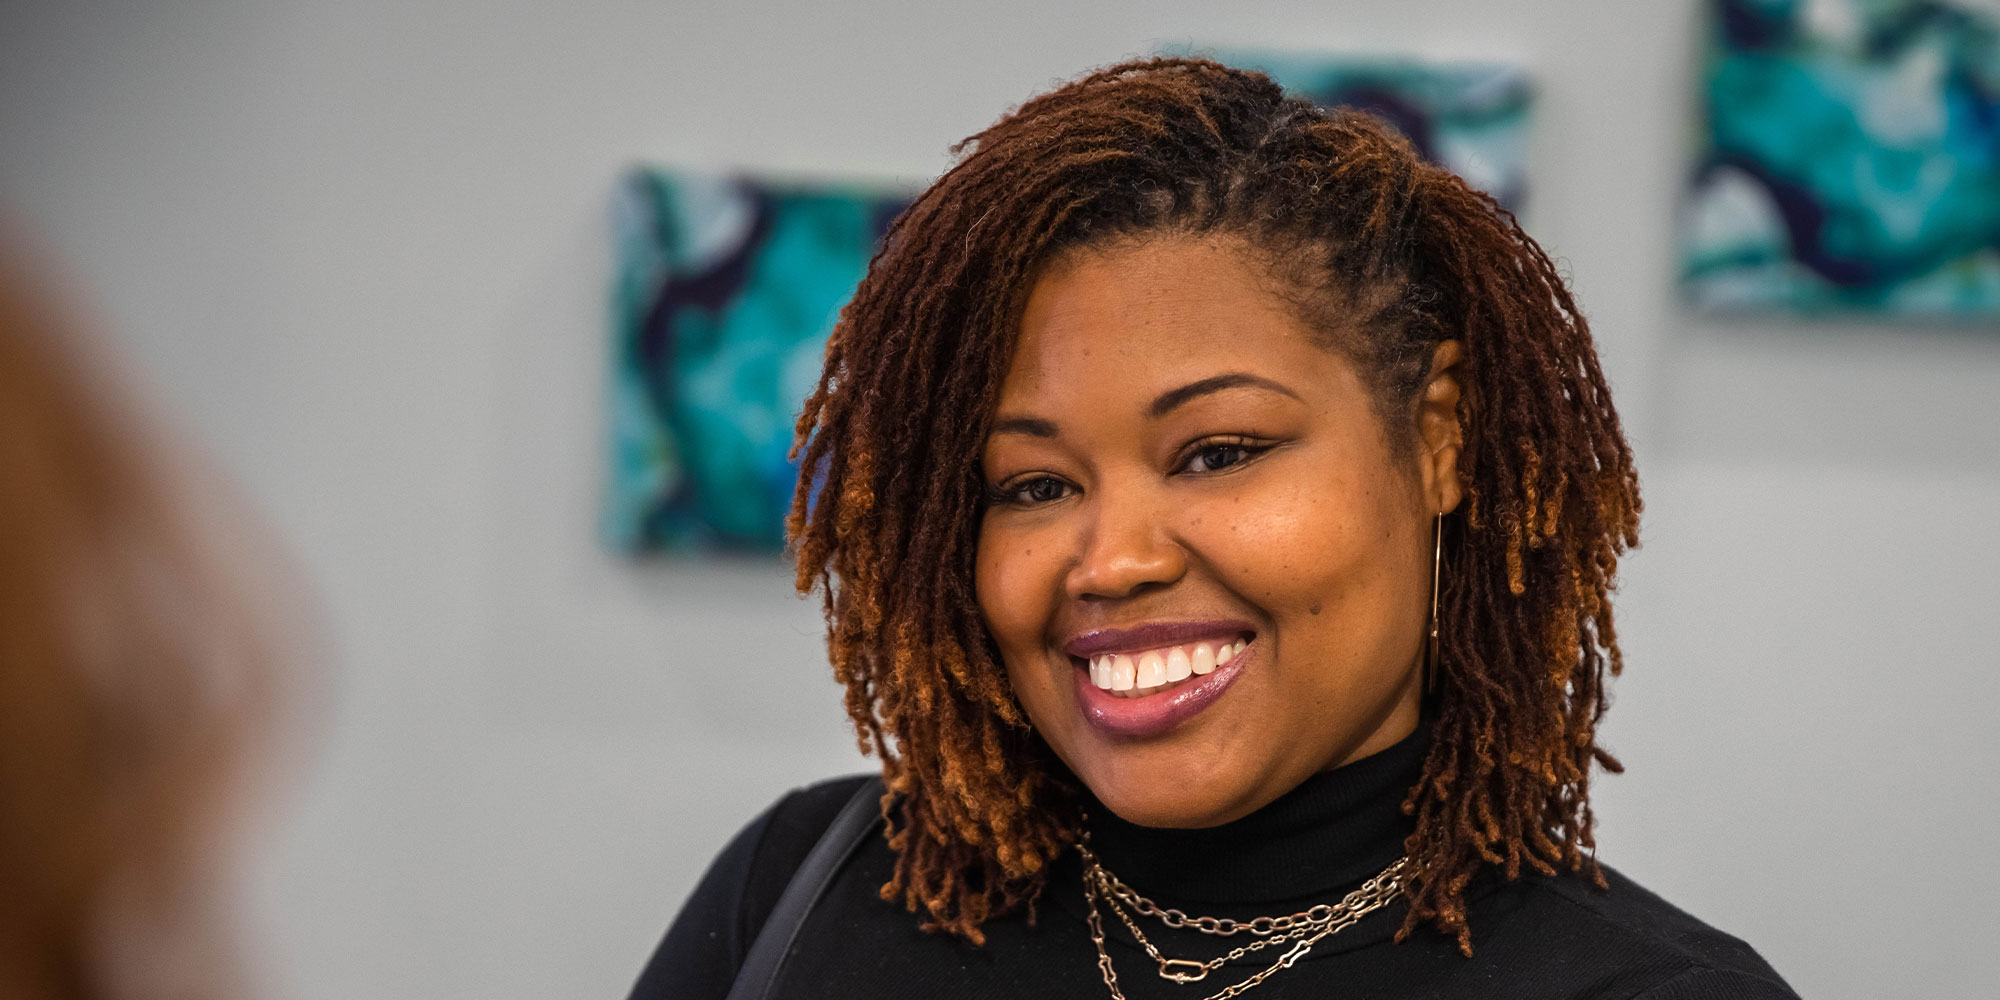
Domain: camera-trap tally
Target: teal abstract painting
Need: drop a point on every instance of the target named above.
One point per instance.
(727, 288)
(1849, 160)
(1469, 117)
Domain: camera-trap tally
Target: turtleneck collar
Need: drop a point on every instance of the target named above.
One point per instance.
(1333, 831)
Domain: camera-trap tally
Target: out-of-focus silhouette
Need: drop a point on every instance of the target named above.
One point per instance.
(141, 634)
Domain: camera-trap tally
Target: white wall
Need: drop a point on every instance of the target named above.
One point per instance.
(363, 246)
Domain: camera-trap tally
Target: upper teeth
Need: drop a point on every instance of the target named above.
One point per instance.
(1156, 667)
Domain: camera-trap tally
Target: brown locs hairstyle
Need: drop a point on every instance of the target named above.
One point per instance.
(1388, 256)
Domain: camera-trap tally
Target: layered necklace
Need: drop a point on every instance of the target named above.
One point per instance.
(1301, 931)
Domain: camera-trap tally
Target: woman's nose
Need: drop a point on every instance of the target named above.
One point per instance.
(1126, 550)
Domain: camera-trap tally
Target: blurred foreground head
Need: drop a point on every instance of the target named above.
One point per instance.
(139, 632)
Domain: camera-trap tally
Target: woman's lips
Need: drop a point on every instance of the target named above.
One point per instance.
(1126, 717)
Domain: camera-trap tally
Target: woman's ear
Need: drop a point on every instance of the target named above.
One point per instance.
(1439, 434)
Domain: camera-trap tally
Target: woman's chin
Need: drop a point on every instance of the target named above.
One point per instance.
(1176, 804)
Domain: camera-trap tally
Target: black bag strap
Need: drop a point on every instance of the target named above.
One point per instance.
(859, 819)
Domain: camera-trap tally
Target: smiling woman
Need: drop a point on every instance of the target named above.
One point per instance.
(1209, 491)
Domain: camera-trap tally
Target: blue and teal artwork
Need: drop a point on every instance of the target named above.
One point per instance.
(1849, 160)
(1469, 117)
(727, 288)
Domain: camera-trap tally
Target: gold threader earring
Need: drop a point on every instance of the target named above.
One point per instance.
(1437, 563)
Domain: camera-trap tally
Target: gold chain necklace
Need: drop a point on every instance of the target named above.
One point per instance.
(1303, 929)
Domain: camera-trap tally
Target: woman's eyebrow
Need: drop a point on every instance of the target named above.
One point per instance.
(1214, 383)
(1032, 426)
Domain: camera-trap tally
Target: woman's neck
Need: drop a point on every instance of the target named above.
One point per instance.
(1333, 831)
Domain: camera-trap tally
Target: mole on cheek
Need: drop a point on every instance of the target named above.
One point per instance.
(1314, 608)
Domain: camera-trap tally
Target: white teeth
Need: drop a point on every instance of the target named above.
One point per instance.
(1152, 671)
(1148, 670)
(1204, 659)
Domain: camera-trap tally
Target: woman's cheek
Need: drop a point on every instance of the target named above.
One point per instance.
(1263, 533)
(1016, 581)
(1304, 553)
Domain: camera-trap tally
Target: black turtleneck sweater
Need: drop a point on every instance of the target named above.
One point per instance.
(1539, 937)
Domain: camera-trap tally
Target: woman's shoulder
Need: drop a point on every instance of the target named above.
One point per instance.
(729, 906)
(1654, 949)
(789, 829)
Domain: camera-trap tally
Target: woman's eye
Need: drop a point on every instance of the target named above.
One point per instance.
(1029, 492)
(1213, 457)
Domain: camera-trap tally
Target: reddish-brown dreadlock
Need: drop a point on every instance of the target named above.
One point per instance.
(1389, 256)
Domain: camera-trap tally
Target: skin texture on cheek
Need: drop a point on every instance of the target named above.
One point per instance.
(1269, 504)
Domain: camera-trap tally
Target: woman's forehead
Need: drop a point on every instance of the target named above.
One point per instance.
(1157, 310)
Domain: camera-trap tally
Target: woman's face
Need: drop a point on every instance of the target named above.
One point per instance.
(1207, 568)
